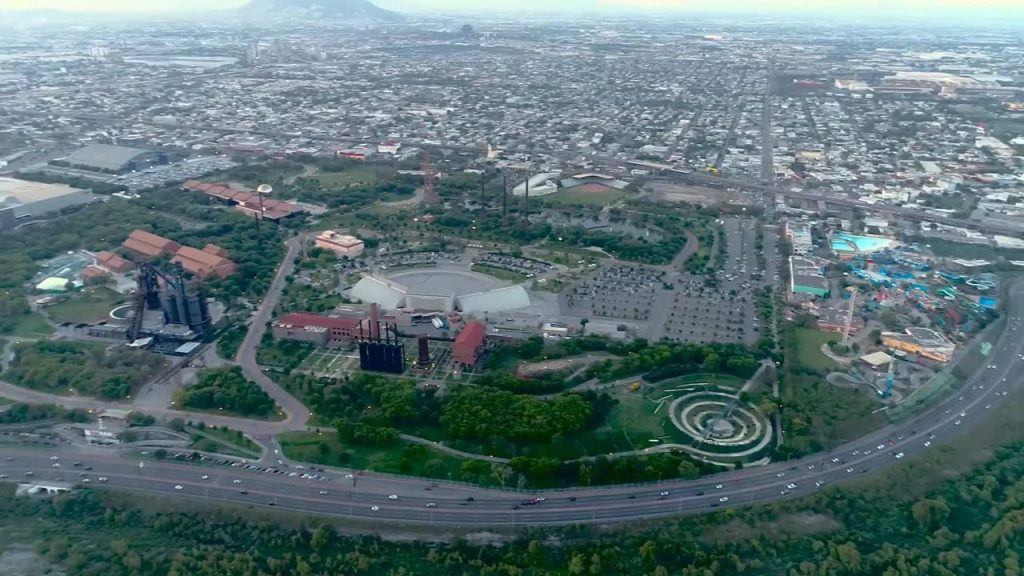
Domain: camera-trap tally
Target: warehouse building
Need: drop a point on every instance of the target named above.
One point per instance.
(469, 344)
(206, 263)
(111, 158)
(23, 199)
(806, 276)
(149, 245)
(318, 329)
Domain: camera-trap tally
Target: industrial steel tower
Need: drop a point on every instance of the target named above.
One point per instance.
(849, 315)
(429, 194)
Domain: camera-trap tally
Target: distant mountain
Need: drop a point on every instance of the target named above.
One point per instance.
(355, 10)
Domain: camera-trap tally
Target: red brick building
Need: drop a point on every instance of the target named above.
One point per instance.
(149, 245)
(317, 328)
(469, 344)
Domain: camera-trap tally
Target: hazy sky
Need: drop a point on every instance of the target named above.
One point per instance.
(861, 7)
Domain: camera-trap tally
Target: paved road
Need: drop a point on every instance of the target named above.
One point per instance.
(296, 414)
(982, 392)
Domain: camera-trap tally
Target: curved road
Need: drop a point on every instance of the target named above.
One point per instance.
(296, 413)
(356, 497)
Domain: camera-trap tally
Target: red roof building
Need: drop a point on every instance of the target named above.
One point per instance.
(469, 344)
(148, 245)
(203, 264)
(113, 262)
(247, 201)
(215, 250)
(317, 328)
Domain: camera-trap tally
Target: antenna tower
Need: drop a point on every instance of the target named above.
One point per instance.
(429, 194)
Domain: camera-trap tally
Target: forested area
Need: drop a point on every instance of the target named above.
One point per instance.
(971, 525)
(86, 368)
(226, 389)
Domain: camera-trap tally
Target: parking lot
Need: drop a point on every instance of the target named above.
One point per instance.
(616, 291)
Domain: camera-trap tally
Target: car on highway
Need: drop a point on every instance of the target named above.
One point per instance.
(899, 455)
(236, 481)
(101, 479)
(927, 443)
(375, 508)
(718, 486)
(431, 504)
(849, 469)
(393, 497)
(723, 499)
(791, 486)
(179, 487)
(663, 494)
(323, 492)
(205, 477)
(243, 492)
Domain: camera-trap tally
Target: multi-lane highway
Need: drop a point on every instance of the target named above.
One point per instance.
(419, 501)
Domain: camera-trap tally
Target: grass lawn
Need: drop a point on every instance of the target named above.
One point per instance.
(91, 305)
(357, 175)
(400, 458)
(583, 197)
(499, 273)
(31, 325)
(717, 379)
(807, 345)
(224, 441)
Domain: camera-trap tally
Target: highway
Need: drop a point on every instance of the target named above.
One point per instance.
(359, 496)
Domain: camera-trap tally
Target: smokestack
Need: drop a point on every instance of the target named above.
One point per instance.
(374, 322)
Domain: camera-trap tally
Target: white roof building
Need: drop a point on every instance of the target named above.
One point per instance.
(499, 300)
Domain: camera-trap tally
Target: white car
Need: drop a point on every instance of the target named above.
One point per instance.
(236, 481)
(393, 497)
(663, 493)
(431, 504)
(849, 469)
(375, 508)
(205, 477)
(723, 499)
(179, 487)
(956, 422)
(780, 474)
(928, 443)
(880, 447)
(718, 486)
(102, 479)
(791, 486)
(323, 492)
(900, 455)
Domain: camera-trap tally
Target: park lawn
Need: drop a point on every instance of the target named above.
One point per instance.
(807, 345)
(702, 378)
(355, 175)
(90, 306)
(584, 198)
(401, 458)
(499, 273)
(32, 325)
(230, 436)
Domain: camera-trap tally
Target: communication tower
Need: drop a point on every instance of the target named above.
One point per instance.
(429, 194)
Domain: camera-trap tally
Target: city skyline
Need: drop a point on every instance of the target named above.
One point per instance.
(820, 7)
